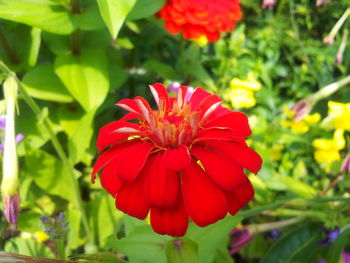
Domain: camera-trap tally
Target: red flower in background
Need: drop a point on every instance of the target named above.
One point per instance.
(198, 18)
(185, 159)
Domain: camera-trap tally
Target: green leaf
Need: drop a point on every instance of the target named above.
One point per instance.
(114, 13)
(297, 187)
(182, 250)
(211, 237)
(28, 247)
(49, 173)
(297, 246)
(74, 219)
(335, 250)
(49, 15)
(80, 141)
(145, 8)
(90, 18)
(85, 76)
(142, 245)
(164, 70)
(42, 83)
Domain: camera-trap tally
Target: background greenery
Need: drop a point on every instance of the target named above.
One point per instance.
(77, 58)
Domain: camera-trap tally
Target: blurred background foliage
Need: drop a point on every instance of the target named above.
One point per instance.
(77, 58)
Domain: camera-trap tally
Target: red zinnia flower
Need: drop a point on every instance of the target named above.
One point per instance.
(198, 18)
(185, 159)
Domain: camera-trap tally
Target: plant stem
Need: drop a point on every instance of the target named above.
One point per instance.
(260, 228)
(59, 149)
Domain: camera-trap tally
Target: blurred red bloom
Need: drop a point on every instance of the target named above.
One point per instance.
(198, 18)
(185, 159)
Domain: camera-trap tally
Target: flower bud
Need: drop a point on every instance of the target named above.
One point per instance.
(10, 184)
(268, 4)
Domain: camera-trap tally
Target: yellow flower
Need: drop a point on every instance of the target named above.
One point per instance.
(302, 126)
(327, 150)
(339, 113)
(242, 92)
(41, 237)
(276, 152)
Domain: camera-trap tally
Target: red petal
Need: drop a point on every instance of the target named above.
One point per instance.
(239, 197)
(176, 159)
(129, 116)
(108, 134)
(162, 186)
(197, 97)
(222, 170)
(215, 134)
(208, 105)
(205, 202)
(181, 96)
(132, 161)
(171, 222)
(131, 199)
(236, 121)
(159, 92)
(240, 153)
(111, 154)
(129, 105)
(109, 179)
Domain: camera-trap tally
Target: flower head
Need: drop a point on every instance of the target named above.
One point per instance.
(299, 126)
(242, 92)
(185, 159)
(327, 150)
(201, 20)
(240, 238)
(339, 115)
(268, 4)
(331, 236)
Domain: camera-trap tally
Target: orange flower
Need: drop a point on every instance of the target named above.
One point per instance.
(201, 18)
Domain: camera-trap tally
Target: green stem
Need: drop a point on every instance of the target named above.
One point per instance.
(61, 249)
(59, 149)
(261, 228)
(75, 41)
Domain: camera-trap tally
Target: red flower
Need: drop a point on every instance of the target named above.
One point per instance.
(197, 18)
(185, 159)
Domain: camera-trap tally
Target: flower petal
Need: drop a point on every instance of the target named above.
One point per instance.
(197, 97)
(112, 153)
(240, 153)
(131, 199)
(236, 121)
(173, 221)
(215, 134)
(208, 105)
(222, 170)
(132, 161)
(205, 202)
(159, 93)
(129, 105)
(108, 134)
(239, 197)
(178, 158)
(162, 186)
(109, 179)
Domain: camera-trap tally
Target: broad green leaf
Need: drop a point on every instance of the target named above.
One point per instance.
(114, 13)
(142, 245)
(49, 15)
(49, 173)
(85, 76)
(145, 8)
(23, 44)
(297, 246)
(211, 237)
(90, 18)
(164, 70)
(29, 221)
(58, 44)
(335, 250)
(182, 250)
(42, 83)
(80, 141)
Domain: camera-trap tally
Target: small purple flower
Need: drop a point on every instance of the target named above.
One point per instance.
(346, 257)
(11, 208)
(44, 219)
(49, 230)
(331, 236)
(240, 238)
(2, 123)
(60, 217)
(273, 235)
